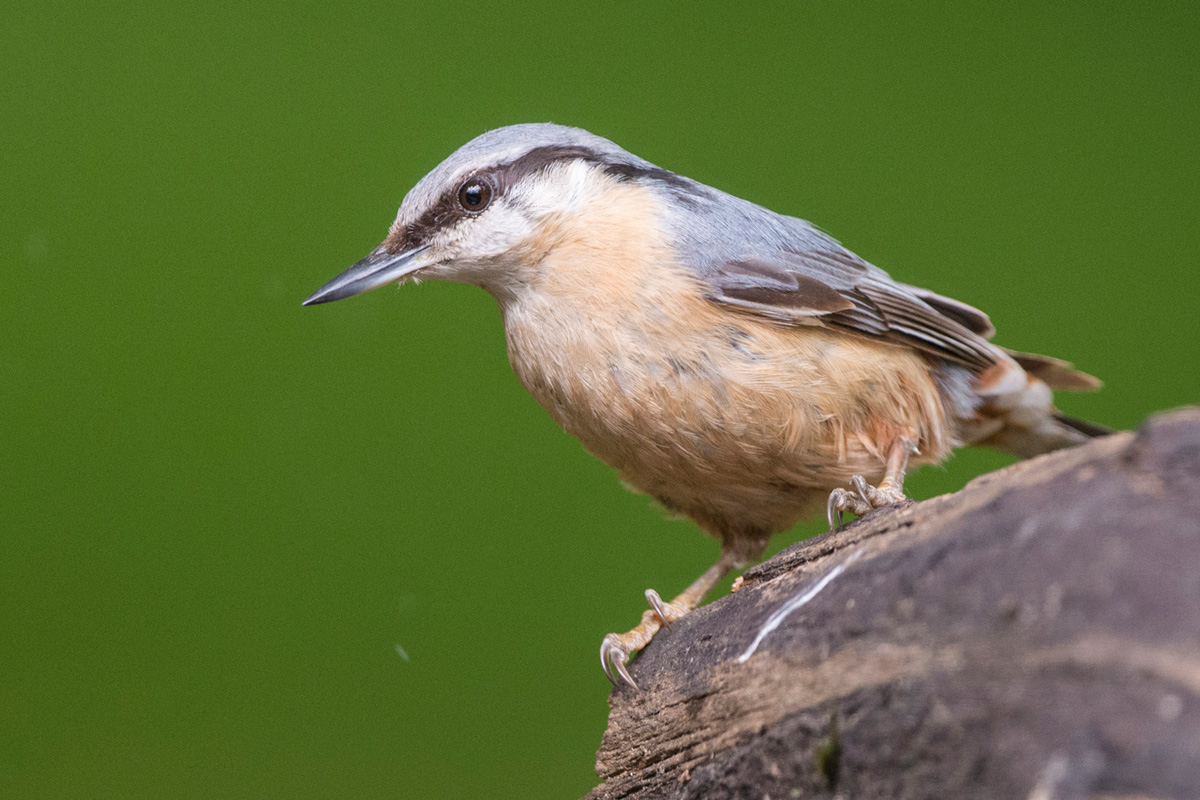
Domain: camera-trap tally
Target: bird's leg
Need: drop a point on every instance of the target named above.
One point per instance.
(865, 497)
(891, 489)
(616, 648)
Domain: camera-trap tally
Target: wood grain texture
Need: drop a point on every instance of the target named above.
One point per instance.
(1036, 634)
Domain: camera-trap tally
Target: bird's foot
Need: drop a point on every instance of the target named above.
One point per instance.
(864, 499)
(617, 648)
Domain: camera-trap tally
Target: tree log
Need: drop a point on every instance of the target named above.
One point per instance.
(1034, 635)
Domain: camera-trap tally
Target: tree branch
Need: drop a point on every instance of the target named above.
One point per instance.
(1036, 634)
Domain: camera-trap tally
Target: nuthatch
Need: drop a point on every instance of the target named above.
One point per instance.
(738, 365)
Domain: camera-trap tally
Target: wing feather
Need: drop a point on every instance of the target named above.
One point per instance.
(833, 287)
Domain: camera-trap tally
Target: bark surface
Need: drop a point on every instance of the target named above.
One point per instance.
(1036, 634)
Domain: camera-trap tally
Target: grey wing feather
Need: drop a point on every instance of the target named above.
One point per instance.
(783, 268)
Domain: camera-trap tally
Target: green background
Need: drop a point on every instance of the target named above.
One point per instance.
(221, 513)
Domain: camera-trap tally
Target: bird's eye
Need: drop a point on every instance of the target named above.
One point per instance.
(474, 195)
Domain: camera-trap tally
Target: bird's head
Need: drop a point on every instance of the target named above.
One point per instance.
(487, 213)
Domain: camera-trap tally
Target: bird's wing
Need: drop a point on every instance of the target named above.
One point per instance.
(830, 286)
(968, 316)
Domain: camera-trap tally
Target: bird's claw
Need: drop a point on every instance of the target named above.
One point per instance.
(613, 657)
(666, 612)
(841, 500)
(833, 512)
(864, 499)
(860, 486)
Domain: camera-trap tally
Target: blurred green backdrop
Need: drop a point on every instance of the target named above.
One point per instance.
(254, 550)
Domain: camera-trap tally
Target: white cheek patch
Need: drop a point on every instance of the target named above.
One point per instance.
(562, 189)
(492, 233)
(578, 186)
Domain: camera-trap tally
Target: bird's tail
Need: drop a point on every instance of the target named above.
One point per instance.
(1016, 413)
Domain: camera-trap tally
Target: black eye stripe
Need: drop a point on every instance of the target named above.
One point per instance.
(449, 209)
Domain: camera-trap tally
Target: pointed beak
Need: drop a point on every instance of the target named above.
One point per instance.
(378, 268)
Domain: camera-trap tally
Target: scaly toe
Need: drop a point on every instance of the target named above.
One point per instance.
(887, 496)
(667, 612)
(876, 496)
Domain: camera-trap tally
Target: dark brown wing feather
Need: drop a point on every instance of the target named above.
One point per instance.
(1057, 374)
(761, 283)
(969, 317)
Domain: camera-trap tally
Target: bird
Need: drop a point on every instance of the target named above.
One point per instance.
(738, 365)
